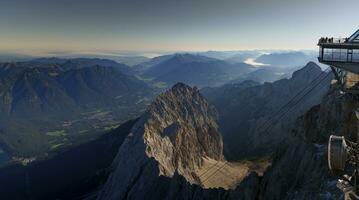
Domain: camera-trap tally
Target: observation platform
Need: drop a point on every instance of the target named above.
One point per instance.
(342, 53)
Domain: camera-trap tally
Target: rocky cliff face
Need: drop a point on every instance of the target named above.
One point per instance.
(249, 113)
(171, 139)
(151, 165)
(301, 172)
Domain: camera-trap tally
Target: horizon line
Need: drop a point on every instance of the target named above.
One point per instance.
(130, 53)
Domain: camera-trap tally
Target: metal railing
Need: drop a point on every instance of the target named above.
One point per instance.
(326, 40)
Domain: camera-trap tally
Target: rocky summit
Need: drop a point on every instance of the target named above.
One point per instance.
(174, 137)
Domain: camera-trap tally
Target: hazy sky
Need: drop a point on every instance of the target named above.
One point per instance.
(171, 25)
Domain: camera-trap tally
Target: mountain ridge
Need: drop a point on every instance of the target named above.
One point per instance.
(173, 136)
(195, 70)
(244, 111)
(56, 102)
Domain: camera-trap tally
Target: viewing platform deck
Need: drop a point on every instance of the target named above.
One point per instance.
(342, 53)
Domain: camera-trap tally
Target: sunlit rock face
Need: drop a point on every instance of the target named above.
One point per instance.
(178, 133)
(174, 136)
(180, 130)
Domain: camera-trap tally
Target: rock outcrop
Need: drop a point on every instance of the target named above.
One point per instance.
(151, 165)
(301, 171)
(255, 119)
(172, 138)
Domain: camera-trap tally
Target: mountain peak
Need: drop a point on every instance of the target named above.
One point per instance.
(196, 70)
(178, 131)
(311, 69)
(186, 57)
(181, 87)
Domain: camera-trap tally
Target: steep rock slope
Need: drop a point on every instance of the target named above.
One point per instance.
(246, 110)
(173, 137)
(185, 124)
(73, 173)
(301, 170)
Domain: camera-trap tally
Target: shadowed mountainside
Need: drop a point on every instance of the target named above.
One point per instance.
(246, 110)
(69, 175)
(50, 103)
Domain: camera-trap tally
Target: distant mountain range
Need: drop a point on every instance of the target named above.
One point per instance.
(142, 67)
(231, 56)
(266, 74)
(77, 63)
(54, 98)
(194, 70)
(174, 150)
(287, 59)
(129, 60)
(214, 68)
(44, 103)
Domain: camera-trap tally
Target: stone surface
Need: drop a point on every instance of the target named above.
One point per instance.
(174, 136)
(299, 170)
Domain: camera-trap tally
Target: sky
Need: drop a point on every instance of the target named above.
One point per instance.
(171, 25)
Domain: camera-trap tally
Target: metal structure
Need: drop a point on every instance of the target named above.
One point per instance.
(341, 54)
(343, 157)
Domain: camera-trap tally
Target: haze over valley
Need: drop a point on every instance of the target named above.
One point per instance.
(56, 108)
(174, 100)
